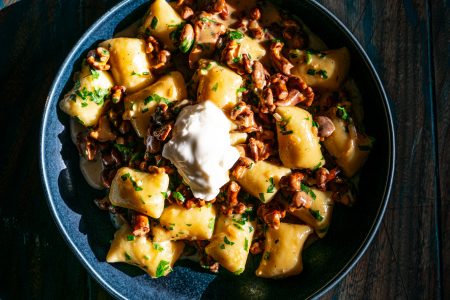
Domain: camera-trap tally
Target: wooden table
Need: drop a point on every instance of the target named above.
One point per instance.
(408, 41)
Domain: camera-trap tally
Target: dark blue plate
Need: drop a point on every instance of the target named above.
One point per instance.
(87, 230)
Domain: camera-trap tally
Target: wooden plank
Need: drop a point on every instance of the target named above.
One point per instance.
(394, 34)
(35, 261)
(440, 41)
(402, 262)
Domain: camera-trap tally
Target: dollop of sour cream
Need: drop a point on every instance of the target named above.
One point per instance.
(200, 149)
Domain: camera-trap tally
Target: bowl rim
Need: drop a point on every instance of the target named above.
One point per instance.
(390, 139)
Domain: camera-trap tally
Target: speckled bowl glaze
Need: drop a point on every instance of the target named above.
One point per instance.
(88, 231)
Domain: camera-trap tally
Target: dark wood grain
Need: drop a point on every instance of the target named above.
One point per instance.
(440, 37)
(403, 261)
(36, 36)
(408, 41)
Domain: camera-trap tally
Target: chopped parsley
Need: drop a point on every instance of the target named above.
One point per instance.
(342, 113)
(316, 214)
(235, 35)
(165, 195)
(319, 164)
(203, 19)
(157, 247)
(95, 74)
(211, 223)
(241, 90)
(127, 256)
(308, 58)
(178, 196)
(266, 255)
(246, 244)
(126, 176)
(315, 124)
(130, 237)
(239, 272)
(186, 45)
(271, 186)
(227, 241)
(97, 96)
(140, 74)
(124, 149)
(308, 190)
(136, 156)
(237, 59)
(238, 226)
(282, 124)
(163, 267)
(261, 197)
(323, 74)
(215, 86)
(154, 23)
(222, 246)
(157, 98)
(175, 34)
(318, 53)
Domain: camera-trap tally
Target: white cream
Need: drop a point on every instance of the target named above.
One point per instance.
(200, 149)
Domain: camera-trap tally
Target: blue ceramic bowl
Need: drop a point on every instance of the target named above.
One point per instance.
(87, 230)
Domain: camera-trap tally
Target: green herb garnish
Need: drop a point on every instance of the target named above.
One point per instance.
(126, 176)
(211, 223)
(95, 74)
(227, 241)
(157, 247)
(342, 113)
(235, 35)
(308, 190)
(271, 185)
(157, 98)
(154, 23)
(178, 196)
(163, 267)
(316, 214)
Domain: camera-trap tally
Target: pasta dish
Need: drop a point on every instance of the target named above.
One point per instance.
(217, 130)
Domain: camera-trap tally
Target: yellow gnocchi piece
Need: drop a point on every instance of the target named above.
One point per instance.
(156, 259)
(140, 106)
(218, 84)
(252, 48)
(231, 242)
(262, 179)
(318, 216)
(237, 138)
(326, 69)
(298, 143)
(282, 255)
(350, 152)
(130, 65)
(85, 100)
(139, 191)
(179, 223)
(161, 21)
